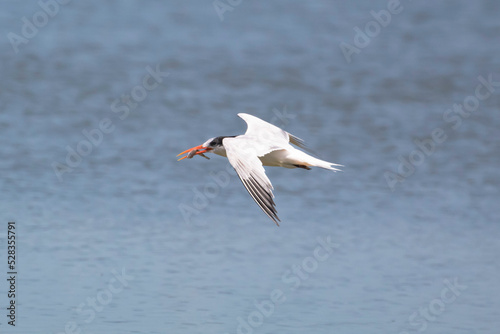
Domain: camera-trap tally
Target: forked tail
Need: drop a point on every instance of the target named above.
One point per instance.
(326, 165)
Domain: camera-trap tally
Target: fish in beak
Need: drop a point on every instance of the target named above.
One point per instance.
(197, 150)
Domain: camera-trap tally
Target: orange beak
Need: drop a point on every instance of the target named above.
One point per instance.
(197, 150)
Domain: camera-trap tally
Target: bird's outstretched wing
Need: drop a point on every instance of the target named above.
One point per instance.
(243, 157)
(264, 131)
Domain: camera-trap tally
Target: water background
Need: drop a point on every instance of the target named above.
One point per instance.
(119, 209)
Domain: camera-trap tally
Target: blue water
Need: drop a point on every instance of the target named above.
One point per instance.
(103, 246)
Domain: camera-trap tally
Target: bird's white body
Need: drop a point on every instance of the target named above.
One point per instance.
(285, 156)
(272, 146)
(263, 144)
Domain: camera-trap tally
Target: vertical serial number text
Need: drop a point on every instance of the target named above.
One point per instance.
(12, 272)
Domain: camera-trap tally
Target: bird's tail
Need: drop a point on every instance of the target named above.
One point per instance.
(299, 158)
(315, 162)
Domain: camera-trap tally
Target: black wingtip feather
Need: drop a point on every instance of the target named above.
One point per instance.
(263, 199)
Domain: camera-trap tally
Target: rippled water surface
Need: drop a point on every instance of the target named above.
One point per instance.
(127, 239)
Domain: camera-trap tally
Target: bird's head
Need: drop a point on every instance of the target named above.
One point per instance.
(213, 145)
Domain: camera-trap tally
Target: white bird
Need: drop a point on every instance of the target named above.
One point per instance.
(263, 144)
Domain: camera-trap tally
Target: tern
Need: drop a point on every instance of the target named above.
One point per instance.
(263, 144)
